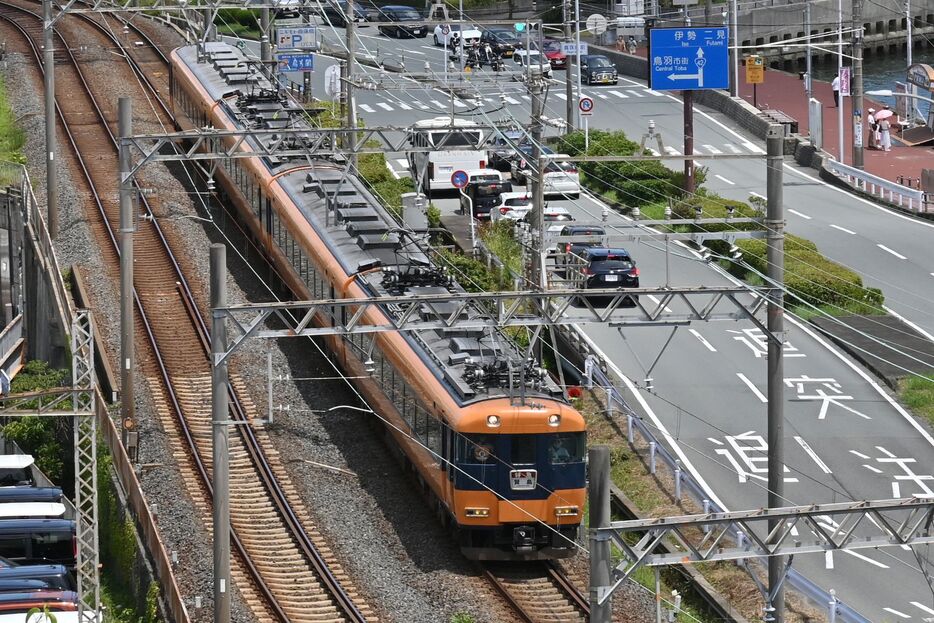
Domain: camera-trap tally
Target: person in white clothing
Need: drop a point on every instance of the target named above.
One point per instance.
(885, 130)
(873, 129)
(835, 85)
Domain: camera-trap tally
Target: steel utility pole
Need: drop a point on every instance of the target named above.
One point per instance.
(306, 75)
(857, 87)
(688, 140)
(840, 77)
(208, 24)
(265, 48)
(351, 32)
(598, 495)
(127, 352)
(577, 30)
(536, 89)
(775, 254)
(568, 87)
(911, 87)
(219, 420)
(51, 172)
(734, 15)
(809, 85)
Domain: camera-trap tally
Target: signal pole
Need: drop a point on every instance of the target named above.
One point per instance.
(688, 140)
(219, 417)
(857, 87)
(265, 48)
(51, 172)
(351, 32)
(127, 352)
(536, 89)
(775, 254)
(568, 87)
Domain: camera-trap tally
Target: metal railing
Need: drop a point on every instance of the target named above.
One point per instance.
(15, 174)
(903, 196)
(685, 481)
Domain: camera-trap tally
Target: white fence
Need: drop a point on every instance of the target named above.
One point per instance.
(902, 196)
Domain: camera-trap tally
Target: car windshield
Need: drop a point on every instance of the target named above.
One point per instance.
(552, 46)
(517, 202)
(614, 264)
(455, 138)
(505, 36)
(599, 61)
(577, 231)
(557, 217)
(405, 16)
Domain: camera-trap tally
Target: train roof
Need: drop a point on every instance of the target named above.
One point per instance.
(474, 364)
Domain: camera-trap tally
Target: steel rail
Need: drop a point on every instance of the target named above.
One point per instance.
(547, 570)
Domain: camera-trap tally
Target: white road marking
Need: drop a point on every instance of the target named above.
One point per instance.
(755, 390)
(920, 605)
(723, 179)
(601, 95)
(635, 93)
(828, 560)
(702, 340)
(511, 100)
(404, 106)
(896, 490)
(438, 104)
(895, 253)
(402, 162)
(366, 107)
(796, 213)
(432, 48)
(562, 95)
(712, 149)
(459, 104)
(384, 105)
(859, 454)
(753, 147)
(671, 150)
(885, 452)
(651, 92)
(392, 171)
(733, 148)
(421, 105)
(698, 150)
(910, 323)
(897, 613)
(527, 98)
(872, 469)
(810, 452)
(653, 152)
(715, 441)
(843, 229)
(866, 558)
(620, 94)
(416, 52)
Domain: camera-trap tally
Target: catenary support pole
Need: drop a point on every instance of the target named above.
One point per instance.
(127, 227)
(219, 419)
(568, 71)
(536, 89)
(688, 140)
(351, 32)
(840, 75)
(598, 494)
(734, 17)
(857, 88)
(775, 254)
(809, 85)
(909, 42)
(51, 167)
(306, 75)
(577, 55)
(208, 24)
(265, 47)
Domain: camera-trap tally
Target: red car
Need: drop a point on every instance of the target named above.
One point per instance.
(554, 54)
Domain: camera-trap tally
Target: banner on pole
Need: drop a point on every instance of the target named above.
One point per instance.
(845, 81)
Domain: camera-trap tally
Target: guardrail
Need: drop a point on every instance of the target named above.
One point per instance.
(684, 480)
(12, 173)
(902, 196)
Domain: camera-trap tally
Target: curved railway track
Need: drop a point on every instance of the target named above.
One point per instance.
(292, 575)
(539, 592)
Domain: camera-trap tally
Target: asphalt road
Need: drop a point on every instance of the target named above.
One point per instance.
(845, 438)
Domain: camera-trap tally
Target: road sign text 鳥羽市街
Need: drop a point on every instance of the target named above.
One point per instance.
(296, 62)
(571, 48)
(298, 38)
(682, 59)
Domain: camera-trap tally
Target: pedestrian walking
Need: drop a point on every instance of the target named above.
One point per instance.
(631, 44)
(873, 129)
(835, 85)
(885, 129)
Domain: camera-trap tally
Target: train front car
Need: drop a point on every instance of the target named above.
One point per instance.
(517, 477)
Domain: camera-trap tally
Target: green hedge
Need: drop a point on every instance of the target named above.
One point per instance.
(12, 137)
(373, 170)
(499, 240)
(473, 274)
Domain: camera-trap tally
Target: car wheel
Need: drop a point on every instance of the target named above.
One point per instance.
(437, 43)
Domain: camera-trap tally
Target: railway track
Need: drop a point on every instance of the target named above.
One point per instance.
(538, 592)
(285, 570)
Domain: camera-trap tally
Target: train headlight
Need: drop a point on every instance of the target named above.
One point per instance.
(567, 511)
(554, 419)
(492, 421)
(477, 512)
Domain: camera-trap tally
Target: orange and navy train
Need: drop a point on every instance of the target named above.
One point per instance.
(493, 441)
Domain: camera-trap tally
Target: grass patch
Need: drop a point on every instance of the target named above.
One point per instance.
(918, 395)
(12, 137)
(499, 239)
(473, 274)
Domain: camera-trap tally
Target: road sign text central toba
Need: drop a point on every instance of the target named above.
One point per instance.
(687, 59)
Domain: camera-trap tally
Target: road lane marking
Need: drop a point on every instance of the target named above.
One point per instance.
(402, 162)
(384, 105)
(873, 469)
(433, 48)
(674, 152)
(459, 104)
(601, 95)
(526, 98)
(895, 253)
(755, 390)
(512, 100)
(733, 148)
(712, 149)
(404, 106)
(723, 179)
(921, 606)
(843, 229)
(885, 452)
(828, 559)
(620, 94)
(415, 52)
(908, 322)
(757, 195)
(702, 340)
(796, 213)
(753, 147)
(392, 171)
(897, 613)
(810, 452)
(438, 104)
(896, 490)
(715, 441)
(859, 454)
(651, 92)
(698, 150)
(866, 558)
(366, 108)
(561, 95)
(635, 93)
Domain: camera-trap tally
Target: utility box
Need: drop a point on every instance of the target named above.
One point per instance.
(415, 211)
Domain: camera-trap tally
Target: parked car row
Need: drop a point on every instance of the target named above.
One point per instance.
(38, 547)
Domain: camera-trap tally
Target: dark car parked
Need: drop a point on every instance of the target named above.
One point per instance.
(397, 13)
(504, 41)
(53, 576)
(483, 196)
(335, 13)
(603, 268)
(38, 540)
(577, 246)
(10, 495)
(597, 69)
(502, 152)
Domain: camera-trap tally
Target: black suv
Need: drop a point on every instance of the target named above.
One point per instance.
(397, 13)
(504, 41)
(482, 196)
(335, 13)
(501, 151)
(596, 69)
(603, 268)
(577, 246)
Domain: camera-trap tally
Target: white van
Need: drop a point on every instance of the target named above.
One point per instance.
(433, 169)
(16, 470)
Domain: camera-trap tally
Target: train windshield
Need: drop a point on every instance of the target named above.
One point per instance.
(566, 448)
(523, 450)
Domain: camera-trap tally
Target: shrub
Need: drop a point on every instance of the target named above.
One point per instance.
(473, 274)
(499, 239)
(12, 137)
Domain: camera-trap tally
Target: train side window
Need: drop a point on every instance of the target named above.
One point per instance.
(434, 434)
(476, 449)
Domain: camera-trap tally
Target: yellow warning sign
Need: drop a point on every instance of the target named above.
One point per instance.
(755, 70)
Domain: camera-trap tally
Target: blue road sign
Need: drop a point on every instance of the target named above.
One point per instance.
(459, 178)
(296, 62)
(689, 59)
